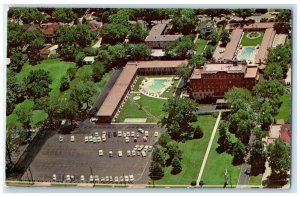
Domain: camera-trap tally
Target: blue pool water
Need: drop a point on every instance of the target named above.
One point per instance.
(157, 85)
(246, 54)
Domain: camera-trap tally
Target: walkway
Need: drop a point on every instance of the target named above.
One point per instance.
(208, 148)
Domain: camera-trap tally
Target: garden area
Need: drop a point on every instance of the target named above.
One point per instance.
(252, 38)
(200, 45)
(193, 154)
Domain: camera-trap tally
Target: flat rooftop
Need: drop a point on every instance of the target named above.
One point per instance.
(155, 34)
(230, 49)
(229, 68)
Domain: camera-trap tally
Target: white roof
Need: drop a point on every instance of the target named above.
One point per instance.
(7, 61)
(53, 47)
(157, 53)
(89, 59)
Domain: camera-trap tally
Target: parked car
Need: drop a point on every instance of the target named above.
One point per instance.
(143, 153)
(135, 139)
(110, 153)
(137, 135)
(136, 147)
(128, 153)
(97, 178)
(54, 177)
(103, 132)
(124, 134)
(121, 179)
(120, 154)
(140, 147)
(146, 148)
(98, 139)
(91, 178)
(140, 130)
(146, 133)
(95, 139)
(128, 134)
(103, 139)
(127, 139)
(81, 178)
(100, 152)
(110, 135)
(102, 179)
(68, 178)
(145, 139)
(61, 139)
(119, 133)
(133, 153)
(150, 148)
(86, 138)
(126, 179)
(138, 153)
(91, 138)
(111, 179)
(155, 134)
(107, 178)
(115, 134)
(116, 179)
(131, 178)
(132, 133)
(72, 138)
(96, 134)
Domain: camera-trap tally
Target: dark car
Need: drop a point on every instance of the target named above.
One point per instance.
(109, 134)
(115, 134)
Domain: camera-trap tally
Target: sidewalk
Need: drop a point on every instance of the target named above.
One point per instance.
(208, 148)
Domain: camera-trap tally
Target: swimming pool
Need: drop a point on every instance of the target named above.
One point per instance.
(157, 85)
(246, 54)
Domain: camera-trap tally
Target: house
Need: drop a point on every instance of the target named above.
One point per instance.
(49, 30)
(156, 38)
(49, 51)
(95, 25)
(89, 59)
(205, 28)
(280, 130)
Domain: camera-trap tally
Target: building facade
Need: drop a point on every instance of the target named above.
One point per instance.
(214, 80)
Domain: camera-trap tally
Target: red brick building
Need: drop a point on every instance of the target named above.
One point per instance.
(213, 80)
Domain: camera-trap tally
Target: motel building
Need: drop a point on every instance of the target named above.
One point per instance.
(214, 80)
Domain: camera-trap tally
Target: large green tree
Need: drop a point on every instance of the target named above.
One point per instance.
(197, 60)
(185, 21)
(224, 140)
(239, 153)
(179, 119)
(257, 157)
(180, 48)
(65, 15)
(113, 33)
(273, 71)
(17, 60)
(183, 72)
(173, 150)
(156, 171)
(159, 156)
(137, 33)
(137, 51)
(83, 93)
(244, 13)
(38, 83)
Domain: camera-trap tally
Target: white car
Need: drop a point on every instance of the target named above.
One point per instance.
(133, 153)
(140, 147)
(128, 133)
(127, 139)
(124, 134)
(68, 178)
(91, 178)
(126, 178)
(81, 178)
(150, 148)
(91, 138)
(96, 134)
(54, 177)
(136, 147)
(131, 178)
(102, 179)
(121, 179)
(140, 130)
(146, 133)
(86, 138)
(103, 139)
(120, 153)
(103, 132)
(145, 139)
(132, 133)
(137, 135)
(72, 138)
(155, 134)
(116, 179)
(119, 133)
(61, 138)
(110, 153)
(100, 152)
(94, 139)
(143, 153)
(128, 153)
(146, 148)
(98, 139)
(96, 178)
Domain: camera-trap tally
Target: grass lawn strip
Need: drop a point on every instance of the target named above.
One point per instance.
(200, 45)
(193, 154)
(284, 111)
(252, 42)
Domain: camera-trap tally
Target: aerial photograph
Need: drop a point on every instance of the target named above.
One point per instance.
(191, 98)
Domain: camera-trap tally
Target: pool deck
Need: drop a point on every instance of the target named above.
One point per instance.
(251, 59)
(147, 82)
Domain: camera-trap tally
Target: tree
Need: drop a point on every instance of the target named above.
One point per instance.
(65, 15)
(281, 54)
(137, 51)
(225, 36)
(38, 83)
(51, 105)
(17, 60)
(244, 13)
(82, 93)
(71, 72)
(159, 156)
(197, 60)
(79, 58)
(98, 70)
(176, 164)
(15, 34)
(180, 48)
(33, 50)
(214, 38)
(212, 13)
(267, 115)
(117, 54)
(224, 140)
(83, 35)
(184, 21)
(164, 139)
(113, 33)
(282, 27)
(69, 109)
(208, 52)
(279, 158)
(239, 153)
(156, 171)
(179, 119)
(183, 72)
(29, 15)
(273, 71)
(173, 150)
(238, 98)
(68, 52)
(257, 157)
(64, 83)
(284, 16)
(137, 33)
(121, 17)
(25, 113)
(198, 133)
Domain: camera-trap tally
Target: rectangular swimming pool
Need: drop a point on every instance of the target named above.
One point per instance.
(246, 54)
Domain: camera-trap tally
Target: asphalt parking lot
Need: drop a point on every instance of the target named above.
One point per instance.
(82, 158)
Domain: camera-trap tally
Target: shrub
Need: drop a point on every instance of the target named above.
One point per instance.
(198, 133)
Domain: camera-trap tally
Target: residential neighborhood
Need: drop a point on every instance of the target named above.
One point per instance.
(149, 98)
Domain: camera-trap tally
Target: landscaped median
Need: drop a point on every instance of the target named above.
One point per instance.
(193, 154)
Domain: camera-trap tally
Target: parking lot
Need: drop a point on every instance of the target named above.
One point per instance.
(79, 157)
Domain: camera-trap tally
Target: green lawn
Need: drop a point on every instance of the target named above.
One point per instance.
(255, 180)
(193, 154)
(200, 45)
(251, 42)
(153, 105)
(56, 67)
(284, 111)
(216, 165)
